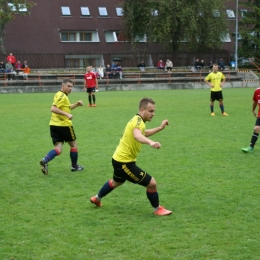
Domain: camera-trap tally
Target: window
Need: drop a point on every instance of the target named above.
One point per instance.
(243, 12)
(119, 11)
(90, 36)
(65, 10)
(154, 12)
(85, 11)
(216, 13)
(102, 11)
(85, 37)
(226, 38)
(21, 7)
(230, 13)
(68, 37)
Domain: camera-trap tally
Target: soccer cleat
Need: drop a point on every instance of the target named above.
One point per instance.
(44, 166)
(248, 149)
(96, 201)
(212, 114)
(94, 105)
(89, 105)
(224, 114)
(162, 211)
(77, 168)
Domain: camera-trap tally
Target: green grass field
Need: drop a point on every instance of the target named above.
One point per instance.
(202, 175)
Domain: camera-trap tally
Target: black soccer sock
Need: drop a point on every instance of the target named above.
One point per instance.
(153, 197)
(89, 100)
(107, 188)
(254, 139)
(94, 99)
(74, 156)
(222, 108)
(211, 108)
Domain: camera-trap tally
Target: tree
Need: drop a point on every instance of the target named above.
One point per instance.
(176, 24)
(249, 28)
(8, 10)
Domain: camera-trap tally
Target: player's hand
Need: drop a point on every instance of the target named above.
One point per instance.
(69, 116)
(254, 113)
(79, 103)
(155, 145)
(164, 123)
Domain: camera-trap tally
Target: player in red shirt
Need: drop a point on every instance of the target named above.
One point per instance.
(256, 101)
(91, 85)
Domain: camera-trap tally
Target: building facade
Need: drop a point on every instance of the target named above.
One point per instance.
(74, 34)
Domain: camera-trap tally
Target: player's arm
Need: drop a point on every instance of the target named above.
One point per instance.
(155, 130)
(79, 103)
(138, 136)
(254, 107)
(223, 81)
(58, 111)
(85, 84)
(96, 83)
(208, 83)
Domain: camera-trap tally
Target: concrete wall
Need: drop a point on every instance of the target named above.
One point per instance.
(128, 87)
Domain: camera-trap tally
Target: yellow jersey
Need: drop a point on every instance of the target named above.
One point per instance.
(215, 79)
(128, 147)
(62, 102)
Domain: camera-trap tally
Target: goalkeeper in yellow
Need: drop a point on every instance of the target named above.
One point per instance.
(124, 158)
(216, 80)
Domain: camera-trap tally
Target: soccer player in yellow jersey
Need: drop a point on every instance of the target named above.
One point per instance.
(216, 80)
(61, 128)
(124, 158)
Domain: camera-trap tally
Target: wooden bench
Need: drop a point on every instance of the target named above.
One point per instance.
(34, 77)
(164, 76)
(133, 77)
(3, 77)
(68, 77)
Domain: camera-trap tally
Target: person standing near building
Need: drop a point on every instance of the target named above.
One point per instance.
(61, 128)
(124, 158)
(12, 58)
(216, 80)
(91, 85)
(256, 101)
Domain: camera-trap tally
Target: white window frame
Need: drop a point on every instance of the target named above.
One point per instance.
(94, 36)
(84, 9)
(119, 11)
(65, 11)
(102, 9)
(242, 12)
(230, 13)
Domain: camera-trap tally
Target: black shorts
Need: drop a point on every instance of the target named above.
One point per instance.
(169, 68)
(216, 95)
(61, 134)
(257, 122)
(131, 172)
(90, 90)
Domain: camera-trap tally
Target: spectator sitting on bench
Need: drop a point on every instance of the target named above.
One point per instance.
(119, 70)
(197, 65)
(141, 66)
(18, 67)
(26, 71)
(221, 64)
(9, 70)
(160, 65)
(108, 72)
(101, 72)
(2, 67)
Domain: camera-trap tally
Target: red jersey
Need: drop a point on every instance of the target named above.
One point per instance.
(256, 98)
(90, 78)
